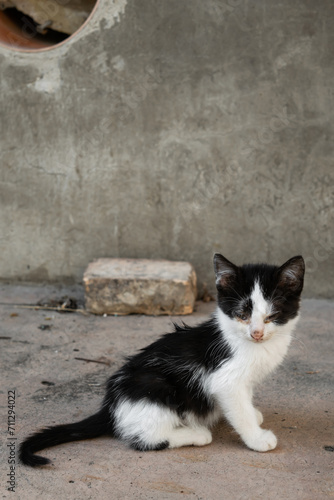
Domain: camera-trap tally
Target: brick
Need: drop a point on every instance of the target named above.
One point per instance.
(142, 286)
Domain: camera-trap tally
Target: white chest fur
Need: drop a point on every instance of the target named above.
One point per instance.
(250, 361)
(231, 385)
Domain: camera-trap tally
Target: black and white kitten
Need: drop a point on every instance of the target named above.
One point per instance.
(172, 392)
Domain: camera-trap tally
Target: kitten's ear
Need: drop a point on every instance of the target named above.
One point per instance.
(291, 274)
(224, 269)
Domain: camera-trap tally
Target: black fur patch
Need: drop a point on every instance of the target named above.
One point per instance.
(168, 372)
(138, 445)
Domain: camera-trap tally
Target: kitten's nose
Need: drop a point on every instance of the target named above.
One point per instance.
(257, 335)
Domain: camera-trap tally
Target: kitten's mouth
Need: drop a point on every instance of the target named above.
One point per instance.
(257, 336)
(257, 341)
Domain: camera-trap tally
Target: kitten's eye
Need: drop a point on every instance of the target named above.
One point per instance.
(271, 318)
(242, 316)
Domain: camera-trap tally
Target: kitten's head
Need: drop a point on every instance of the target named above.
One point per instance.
(259, 297)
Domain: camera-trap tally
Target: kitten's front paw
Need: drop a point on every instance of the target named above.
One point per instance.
(264, 441)
(259, 416)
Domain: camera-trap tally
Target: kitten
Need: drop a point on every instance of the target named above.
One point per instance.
(172, 392)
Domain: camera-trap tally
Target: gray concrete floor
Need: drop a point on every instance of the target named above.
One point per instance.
(297, 403)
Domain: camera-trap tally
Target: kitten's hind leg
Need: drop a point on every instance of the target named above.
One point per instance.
(174, 438)
(148, 426)
(187, 436)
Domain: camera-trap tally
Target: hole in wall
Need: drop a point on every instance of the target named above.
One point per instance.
(33, 25)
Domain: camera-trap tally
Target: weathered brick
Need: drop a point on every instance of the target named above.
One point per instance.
(143, 286)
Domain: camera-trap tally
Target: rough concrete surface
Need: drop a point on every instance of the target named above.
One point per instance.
(172, 129)
(297, 403)
(142, 286)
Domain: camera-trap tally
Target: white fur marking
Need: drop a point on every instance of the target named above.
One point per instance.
(154, 424)
(232, 384)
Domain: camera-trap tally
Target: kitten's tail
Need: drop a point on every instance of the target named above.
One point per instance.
(91, 427)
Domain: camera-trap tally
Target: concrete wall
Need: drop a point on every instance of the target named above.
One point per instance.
(172, 129)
